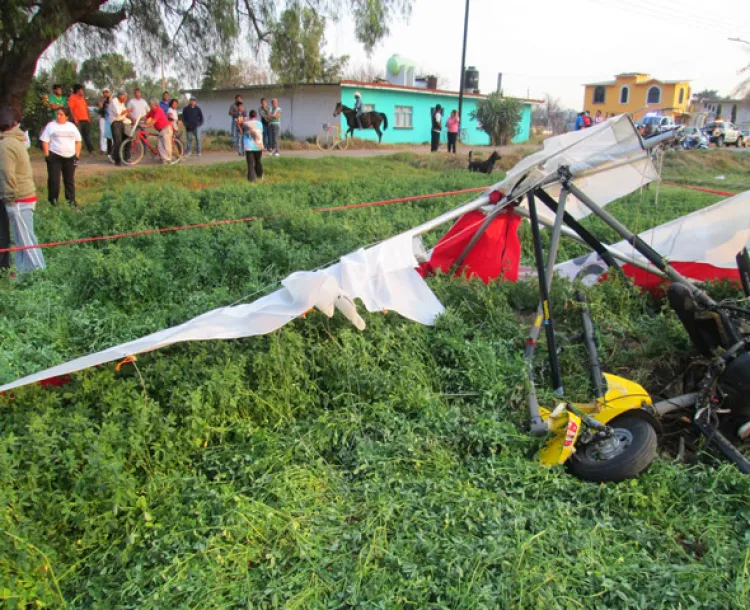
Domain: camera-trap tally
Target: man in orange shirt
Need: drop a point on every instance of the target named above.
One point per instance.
(80, 110)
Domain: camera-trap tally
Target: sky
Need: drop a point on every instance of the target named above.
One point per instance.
(554, 46)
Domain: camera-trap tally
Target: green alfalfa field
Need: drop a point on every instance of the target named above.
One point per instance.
(320, 466)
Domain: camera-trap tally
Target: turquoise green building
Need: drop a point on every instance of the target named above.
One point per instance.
(408, 110)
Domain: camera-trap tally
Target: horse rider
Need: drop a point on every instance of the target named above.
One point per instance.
(358, 108)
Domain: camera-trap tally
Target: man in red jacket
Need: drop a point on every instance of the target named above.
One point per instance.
(156, 118)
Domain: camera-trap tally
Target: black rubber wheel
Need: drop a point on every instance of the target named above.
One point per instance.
(625, 455)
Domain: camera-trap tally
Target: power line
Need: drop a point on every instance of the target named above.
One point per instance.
(693, 21)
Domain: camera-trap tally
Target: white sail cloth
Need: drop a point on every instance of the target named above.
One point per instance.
(607, 162)
(383, 277)
(701, 245)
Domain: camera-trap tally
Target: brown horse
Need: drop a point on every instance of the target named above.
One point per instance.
(370, 120)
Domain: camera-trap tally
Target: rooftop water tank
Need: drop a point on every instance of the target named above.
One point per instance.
(400, 70)
(471, 79)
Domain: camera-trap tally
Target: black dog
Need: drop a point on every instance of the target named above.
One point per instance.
(483, 166)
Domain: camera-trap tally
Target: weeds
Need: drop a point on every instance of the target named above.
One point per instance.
(322, 467)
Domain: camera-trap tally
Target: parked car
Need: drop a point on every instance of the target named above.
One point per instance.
(723, 133)
(657, 123)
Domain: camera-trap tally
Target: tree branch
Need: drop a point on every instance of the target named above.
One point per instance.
(256, 22)
(104, 20)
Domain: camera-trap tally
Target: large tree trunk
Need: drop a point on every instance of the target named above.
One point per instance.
(20, 54)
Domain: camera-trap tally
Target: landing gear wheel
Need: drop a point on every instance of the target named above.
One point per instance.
(625, 454)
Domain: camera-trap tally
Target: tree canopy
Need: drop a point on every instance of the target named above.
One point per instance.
(499, 117)
(110, 70)
(187, 30)
(222, 73)
(296, 49)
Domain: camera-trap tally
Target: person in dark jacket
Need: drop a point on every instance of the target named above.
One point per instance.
(437, 126)
(192, 119)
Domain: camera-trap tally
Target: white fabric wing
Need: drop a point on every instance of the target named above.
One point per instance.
(383, 277)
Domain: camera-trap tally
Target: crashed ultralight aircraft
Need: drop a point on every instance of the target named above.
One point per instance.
(575, 174)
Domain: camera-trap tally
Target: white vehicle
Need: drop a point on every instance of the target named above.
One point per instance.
(723, 133)
(657, 123)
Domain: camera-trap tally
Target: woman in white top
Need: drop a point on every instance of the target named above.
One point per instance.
(61, 143)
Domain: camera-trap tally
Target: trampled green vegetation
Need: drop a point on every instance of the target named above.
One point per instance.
(323, 467)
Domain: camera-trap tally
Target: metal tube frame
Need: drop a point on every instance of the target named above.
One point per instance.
(549, 326)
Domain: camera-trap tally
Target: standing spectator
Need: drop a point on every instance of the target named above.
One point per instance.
(173, 115)
(579, 121)
(79, 110)
(138, 107)
(241, 118)
(192, 118)
(586, 119)
(174, 119)
(56, 100)
(160, 122)
(61, 143)
(119, 116)
(234, 132)
(263, 112)
(274, 122)
(437, 126)
(17, 196)
(105, 127)
(253, 137)
(166, 102)
(452, 124)
(598, 118)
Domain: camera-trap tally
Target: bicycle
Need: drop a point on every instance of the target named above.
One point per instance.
(139, 142)
(330, 138)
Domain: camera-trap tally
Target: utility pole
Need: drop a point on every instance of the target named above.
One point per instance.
(463, 68)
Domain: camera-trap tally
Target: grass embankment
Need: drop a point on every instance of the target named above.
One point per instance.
(322, 467)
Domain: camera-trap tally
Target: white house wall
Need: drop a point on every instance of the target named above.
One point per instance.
(304, 110)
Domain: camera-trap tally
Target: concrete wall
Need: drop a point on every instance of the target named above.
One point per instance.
(304, 109)
(385, 100)
(307, 107)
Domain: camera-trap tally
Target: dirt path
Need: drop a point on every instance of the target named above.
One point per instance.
(96, 164)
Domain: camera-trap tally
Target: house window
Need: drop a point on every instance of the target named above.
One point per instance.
(599, 93)
(368, 107)
(682, 95)
(654, 95)
(625, 95)
(403, 117)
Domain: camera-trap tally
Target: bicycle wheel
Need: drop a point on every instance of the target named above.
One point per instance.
(134, 149)
(343, 142)
(325, 140)
(178, 151)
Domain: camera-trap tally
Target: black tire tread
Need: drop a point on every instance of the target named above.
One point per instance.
(627, 465)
